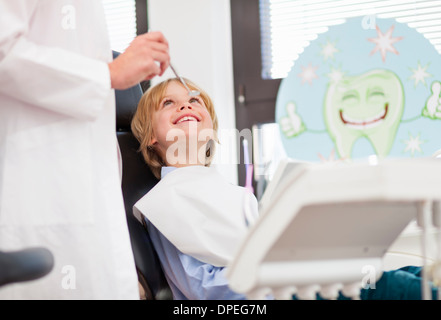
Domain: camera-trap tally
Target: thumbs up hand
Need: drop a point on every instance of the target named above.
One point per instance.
(292, 125)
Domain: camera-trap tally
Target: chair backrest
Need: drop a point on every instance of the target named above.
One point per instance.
(137, 180)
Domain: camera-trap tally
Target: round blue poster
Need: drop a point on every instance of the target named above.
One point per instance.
(361, 90)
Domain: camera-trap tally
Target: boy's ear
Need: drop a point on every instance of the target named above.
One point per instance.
(153, 140)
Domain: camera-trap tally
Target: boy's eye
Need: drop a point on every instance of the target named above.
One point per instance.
(167, 102)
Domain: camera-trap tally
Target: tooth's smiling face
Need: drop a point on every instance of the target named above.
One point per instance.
(362, 107)
(185, 115)
(369, 105)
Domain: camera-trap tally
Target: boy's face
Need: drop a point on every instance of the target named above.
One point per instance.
(179, 116)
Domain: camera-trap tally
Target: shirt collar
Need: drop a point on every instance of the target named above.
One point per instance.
(166, 170)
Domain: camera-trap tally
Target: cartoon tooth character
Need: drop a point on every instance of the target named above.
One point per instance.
(369, 105)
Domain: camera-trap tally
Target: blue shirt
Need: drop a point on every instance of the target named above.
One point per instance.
(188, 277)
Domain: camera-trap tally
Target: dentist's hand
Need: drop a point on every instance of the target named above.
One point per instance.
(139, 61)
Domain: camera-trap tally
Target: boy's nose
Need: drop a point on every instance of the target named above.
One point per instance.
(185, 106)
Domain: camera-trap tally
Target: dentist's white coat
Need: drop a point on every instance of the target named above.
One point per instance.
(59, 173)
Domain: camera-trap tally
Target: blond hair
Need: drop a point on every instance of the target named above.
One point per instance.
(142, 122)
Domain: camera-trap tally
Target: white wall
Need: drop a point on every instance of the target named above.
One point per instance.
(199, 36)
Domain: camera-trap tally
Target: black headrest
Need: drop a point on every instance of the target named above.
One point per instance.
(127, 101)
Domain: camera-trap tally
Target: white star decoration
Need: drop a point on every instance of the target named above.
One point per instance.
(420, 74)
(328, 50)
(413, 144)
(383, 42)
(335, 75)
(308, 74)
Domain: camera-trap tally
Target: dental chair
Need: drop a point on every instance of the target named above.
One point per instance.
(137, 180)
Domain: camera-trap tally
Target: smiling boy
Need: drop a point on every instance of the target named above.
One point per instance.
(194, 215)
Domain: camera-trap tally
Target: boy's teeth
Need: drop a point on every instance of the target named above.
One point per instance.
(186, 119)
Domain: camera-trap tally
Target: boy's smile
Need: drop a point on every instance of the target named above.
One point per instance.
(186, 118)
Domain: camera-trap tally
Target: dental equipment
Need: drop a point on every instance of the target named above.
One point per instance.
(191, 93)
(327, 227)
(248, 185)
(248, 167)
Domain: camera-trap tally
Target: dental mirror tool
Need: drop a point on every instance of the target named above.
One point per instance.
(191, 93)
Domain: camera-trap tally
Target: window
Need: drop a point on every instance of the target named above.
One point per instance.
(121, 22)
(287, 26)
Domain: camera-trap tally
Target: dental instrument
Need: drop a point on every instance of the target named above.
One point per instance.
(191, 93)
(247, 210)
(248, 167)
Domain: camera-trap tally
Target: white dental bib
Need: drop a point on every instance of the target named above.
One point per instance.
(200, 212)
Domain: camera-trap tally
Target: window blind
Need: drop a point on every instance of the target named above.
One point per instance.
(288, 26)
(121, 22)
